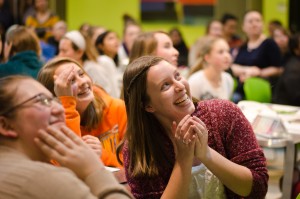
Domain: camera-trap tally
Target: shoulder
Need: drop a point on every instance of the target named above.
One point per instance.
(217, 107)
(196, 76)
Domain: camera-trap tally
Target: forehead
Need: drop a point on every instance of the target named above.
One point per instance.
(162, 38)
(66, 43)
(160, 71)
(28, 88)
(252, 15)
(65, 66)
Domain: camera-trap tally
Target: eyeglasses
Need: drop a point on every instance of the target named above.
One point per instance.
(41, 98)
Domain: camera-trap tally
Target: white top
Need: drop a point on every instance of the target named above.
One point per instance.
(111, 73)
(202, 89)
(100, 77)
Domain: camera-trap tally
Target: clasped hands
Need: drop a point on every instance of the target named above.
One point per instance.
(191, 137)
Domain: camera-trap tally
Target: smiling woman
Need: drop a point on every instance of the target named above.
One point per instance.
(169, 136)
(90, 111)
(33, 132)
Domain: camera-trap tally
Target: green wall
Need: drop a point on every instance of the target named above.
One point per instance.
(108, 13)
(276, 9)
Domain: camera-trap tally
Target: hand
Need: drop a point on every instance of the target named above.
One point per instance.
(184, 137)
(64, 146)
(94, 143)
(63, 83)
(201, 147)
(250, 71)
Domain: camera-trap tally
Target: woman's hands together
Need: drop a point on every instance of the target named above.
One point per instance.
(184, 137)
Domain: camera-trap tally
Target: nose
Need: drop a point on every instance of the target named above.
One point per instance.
(57, 108)
(176, 53)
(179, 86)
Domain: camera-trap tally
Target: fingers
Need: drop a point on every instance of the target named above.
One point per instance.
(52, 147)
(63, 82)
(185, 130)
(71, 135)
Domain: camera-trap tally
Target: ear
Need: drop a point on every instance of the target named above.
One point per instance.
(149, 108)
(79, 53)
(206, 58)
(6, 129)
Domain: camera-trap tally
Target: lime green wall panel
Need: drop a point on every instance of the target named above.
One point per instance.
(276, 9)
(107, 13)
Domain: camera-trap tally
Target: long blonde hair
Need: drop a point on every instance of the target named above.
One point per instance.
(203, 47)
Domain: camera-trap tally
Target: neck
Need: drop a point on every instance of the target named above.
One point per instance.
(255, 38)
(213, 75)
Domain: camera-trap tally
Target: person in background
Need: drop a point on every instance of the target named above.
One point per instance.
(214, 28)
(287, 90)
(89, 110)
(281, 37)
(273, 24)
(168, 135)
(230, 24)
(107, 45)
(33, 132)
(77, 46)
(258, 57)
(94, 32)
(180, 46)
(58, 31)
(156, 43)
(130, 32)
(207, 78)
(22, 51)
(43, 19)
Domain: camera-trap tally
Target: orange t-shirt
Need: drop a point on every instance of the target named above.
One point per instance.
(111, 128)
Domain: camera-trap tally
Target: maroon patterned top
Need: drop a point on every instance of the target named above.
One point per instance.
(230, 134)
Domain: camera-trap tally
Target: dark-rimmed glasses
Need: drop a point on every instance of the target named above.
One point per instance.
(41, 98)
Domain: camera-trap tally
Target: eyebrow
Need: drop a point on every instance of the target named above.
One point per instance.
(163, 80)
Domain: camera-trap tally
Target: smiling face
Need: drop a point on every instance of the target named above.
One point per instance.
(66, 50)
(81, 85)
(169, 94)
(219, 57)
(34, 115)
(165, 48)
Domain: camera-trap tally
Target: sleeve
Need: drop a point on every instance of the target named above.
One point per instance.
(242, 148)
(122, 121)
(110, 159)
(71, 114)
(64, 184)
(273, 53)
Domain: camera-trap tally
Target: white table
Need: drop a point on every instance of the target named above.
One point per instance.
(290, 117)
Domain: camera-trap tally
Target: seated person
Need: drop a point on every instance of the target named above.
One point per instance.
(89, 109)
(33, 132)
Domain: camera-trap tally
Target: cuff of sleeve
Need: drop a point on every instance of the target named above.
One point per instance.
(103, 184)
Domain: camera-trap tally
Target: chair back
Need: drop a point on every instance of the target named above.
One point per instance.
(257, 89)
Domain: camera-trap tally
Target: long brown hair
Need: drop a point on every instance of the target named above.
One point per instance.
(146, 149)
(93, 113)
